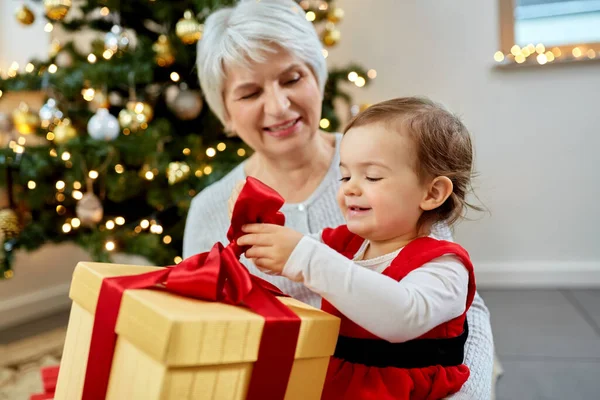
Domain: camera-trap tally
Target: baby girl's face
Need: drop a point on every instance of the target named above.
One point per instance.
(380, 194)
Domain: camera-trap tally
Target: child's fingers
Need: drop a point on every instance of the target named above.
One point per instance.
(259, 228)
(254, 239)
(258, 252)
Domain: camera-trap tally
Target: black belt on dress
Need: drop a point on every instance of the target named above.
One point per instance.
(416, 353)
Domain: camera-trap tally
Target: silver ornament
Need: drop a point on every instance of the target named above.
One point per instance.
(103, 125)
(187, 105)
(89, 209)
(116, 39)
(49, 112)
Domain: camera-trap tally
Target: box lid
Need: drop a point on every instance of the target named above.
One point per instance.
(180, 331)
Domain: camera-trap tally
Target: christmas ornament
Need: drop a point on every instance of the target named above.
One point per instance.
(116, 39)
(103, 125)
(170, 94)
(100, 100)
(89, 209)
(129, 119)
(140, 107)
(64, 132)
(187, 105)
(49, 113)
(9, 223)
(115, 99)
(177, 172)
(331, 36)
(25, 121)
(164, 52)
(57, 9)
(64, 59)
(188, 29)
(335, 14)
(25, 15)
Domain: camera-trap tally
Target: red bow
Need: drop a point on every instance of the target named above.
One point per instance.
(214, 276)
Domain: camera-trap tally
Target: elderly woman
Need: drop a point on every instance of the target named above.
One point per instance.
(263, 74)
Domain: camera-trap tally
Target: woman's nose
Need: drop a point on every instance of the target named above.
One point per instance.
(276, 102)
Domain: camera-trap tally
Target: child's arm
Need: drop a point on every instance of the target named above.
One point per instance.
(395, 311)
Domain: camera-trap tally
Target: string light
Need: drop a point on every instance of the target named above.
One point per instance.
(211, 152)
(65, 156)
(311, 16)
(107, 54)
(104, 11)
(110, 224)
(50, 136)
(241, 152)
(93, 174)
(77, 185)
(360, 81)
(167, 239)
(186, 151)
(372, 74)
(31, 185)
(77, 195)
(22, 141)
(88, 94)
(60, 197)
(221, 146)
(110, 245)
(66, 228)
(198, 173)
(91, 58)
(60, 185)
(207, 170)
(352, 76)
(149, 175)
(178, 260)
(145, 224)
(120, 220)
(29, 67)
(119, 169)
(542, 54)
(324, 123)
(75, 223)
(53, 153)
(174, 76)
(48, 27)
(325, 53)
(52, 68)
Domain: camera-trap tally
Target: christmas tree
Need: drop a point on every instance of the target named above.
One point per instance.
(122, 142)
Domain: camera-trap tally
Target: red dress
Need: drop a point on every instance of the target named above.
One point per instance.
(348, 380)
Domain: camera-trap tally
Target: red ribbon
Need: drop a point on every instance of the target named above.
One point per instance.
(216, 275)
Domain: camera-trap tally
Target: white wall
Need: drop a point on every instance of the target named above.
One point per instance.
(536, 131)
(18, 42)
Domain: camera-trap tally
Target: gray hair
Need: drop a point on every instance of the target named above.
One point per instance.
(243, 33)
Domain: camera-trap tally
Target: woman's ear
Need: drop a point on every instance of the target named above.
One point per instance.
(438, 191)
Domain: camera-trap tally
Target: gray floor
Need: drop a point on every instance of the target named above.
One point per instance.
(548, 342)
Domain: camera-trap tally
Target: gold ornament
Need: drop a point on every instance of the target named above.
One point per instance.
(187, 105)
(129, 119)
(25, 15)
(140, 107)
(89, 209)
(64, 132)
(57, 9)
(335, 14)
(188, 29)
(100, 100)
(9, 223)
(177, 172)
(331, 37)
(25, 121)
(164, 52)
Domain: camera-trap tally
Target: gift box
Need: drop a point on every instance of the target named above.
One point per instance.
(167, 343)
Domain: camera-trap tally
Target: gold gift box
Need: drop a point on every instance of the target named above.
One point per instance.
(173, 347)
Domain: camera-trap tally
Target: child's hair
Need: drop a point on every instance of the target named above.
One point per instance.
(443, 147)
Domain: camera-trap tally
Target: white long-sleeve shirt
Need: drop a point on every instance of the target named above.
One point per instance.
(396, 311)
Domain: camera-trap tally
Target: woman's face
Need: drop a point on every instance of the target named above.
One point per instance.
(275, 106)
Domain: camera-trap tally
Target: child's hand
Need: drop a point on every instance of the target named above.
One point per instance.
(272, 245)
(235, 193)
